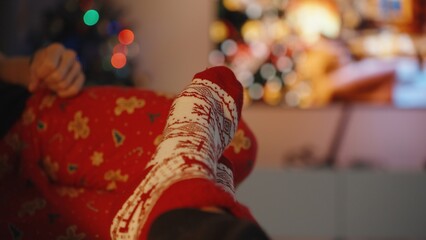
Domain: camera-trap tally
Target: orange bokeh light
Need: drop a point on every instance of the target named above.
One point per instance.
(118, 60)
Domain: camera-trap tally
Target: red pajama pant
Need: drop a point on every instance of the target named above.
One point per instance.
(68, 165)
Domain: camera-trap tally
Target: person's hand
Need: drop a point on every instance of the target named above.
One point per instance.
(58, 69)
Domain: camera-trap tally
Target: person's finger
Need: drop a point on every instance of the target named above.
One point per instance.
(35, 63)
(43, 63)
(66, 62)
(69, 77)
(34, 83)
(74, 88)
(46, 60)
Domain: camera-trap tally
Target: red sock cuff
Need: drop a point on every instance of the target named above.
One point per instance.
(224, 78)
(196, 193)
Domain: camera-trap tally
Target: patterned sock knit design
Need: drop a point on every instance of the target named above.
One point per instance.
(201, 123)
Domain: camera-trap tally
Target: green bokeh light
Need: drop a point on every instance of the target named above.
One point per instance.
(91, 17)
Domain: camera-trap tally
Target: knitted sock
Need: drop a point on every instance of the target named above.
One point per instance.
(203, 118)
(201, 123)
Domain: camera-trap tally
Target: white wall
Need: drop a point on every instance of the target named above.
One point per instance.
(174, 41)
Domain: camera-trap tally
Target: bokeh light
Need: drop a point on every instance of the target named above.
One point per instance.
(290, 78)
(267, 71)
(256, 91)
(91, 17)
(245, 77)
(252, 31)
(118, 60)
(233, 5)
(216, 58)
(218, 31)
(279, 49)
(284, 64)
(126, 37)
(259, 49)
(254, 10)
(274, 84)
(292, 99)
(273, 91)
(229, 47)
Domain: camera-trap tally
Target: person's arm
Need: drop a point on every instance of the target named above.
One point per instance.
(15, 70)
(53, 67)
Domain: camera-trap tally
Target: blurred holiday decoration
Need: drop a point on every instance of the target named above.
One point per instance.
(283, 51)
(264, 41)
(406, 15)
(96, 30)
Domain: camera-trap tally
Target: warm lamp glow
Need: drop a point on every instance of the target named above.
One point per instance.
(311, 19)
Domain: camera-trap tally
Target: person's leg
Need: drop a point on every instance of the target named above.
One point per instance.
(242, 152)
(203, 118)
(201, 123)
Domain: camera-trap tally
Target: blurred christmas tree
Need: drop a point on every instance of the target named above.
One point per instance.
(98, 33)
